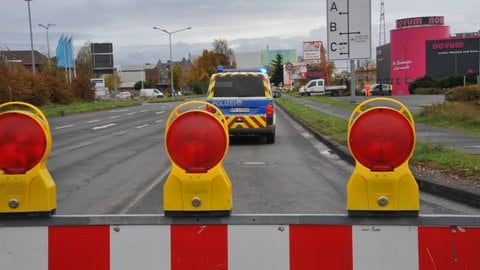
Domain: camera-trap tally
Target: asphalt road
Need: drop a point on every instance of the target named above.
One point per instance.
(114, 162)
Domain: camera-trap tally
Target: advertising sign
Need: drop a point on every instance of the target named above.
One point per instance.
(311, 51)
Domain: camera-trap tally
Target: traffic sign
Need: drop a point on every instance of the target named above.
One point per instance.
(349, 29)
(196, 142)
(25, 142)
(382, 140)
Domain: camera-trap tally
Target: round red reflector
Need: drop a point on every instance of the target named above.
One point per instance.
(196, 141)
(22, 143)
(381, 139)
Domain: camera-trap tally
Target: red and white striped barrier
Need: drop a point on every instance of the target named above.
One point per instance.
(222, 246)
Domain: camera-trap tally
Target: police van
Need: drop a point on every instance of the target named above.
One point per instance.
(246, 100)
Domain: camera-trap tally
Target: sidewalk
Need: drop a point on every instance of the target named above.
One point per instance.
(461, 190)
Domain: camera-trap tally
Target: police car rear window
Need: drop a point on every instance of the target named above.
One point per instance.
(239, 86)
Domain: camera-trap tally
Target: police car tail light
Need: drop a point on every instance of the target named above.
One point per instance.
(196, 142)
(209, 108)
(23, 142)
(270, 109)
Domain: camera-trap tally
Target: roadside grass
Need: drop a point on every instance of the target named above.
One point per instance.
(333, 102)
(461, 116)
(61, 110)
(331, 126)
(427, 155)
(436, 157)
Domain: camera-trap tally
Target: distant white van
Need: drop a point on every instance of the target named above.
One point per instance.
(151, 92)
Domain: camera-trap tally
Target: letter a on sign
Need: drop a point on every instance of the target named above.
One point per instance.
(333, 6)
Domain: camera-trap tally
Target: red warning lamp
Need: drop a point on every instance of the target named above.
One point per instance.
(381, 139)
(25, 142)
(196, 141)
(22, 143)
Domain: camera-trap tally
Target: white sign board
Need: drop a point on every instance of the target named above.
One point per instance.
(349, 29)
(311, 51)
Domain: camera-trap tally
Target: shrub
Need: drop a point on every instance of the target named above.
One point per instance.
(200, 87)
(426, 81)
(83, 88)
(463, 93)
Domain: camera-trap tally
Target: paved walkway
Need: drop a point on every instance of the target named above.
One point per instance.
(433, 182)
(446, 137)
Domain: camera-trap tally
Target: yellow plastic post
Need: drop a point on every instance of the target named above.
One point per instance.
(382, 140)
(196, 142)
(25, 189)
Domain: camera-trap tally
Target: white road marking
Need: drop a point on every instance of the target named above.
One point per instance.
(115, 116)
(93, 121)
(160, 112)
(66, 126)
(142, 126)
(131, 113)
(104, 126)
(144, 192)
(121, 110)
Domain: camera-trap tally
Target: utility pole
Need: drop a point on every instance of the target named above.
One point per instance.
(31, 36)
(48, 40)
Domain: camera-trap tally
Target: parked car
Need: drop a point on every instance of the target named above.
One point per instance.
(125, 95)
(277, 93)
(151, 93)
(380, 89)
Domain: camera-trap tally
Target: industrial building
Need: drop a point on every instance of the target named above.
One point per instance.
(422, 46)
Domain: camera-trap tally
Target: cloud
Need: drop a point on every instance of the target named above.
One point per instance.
(247, 25)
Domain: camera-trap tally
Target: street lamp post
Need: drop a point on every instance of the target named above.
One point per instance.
(171, 62)
(48, 40)
(141, 69)
(31, 35)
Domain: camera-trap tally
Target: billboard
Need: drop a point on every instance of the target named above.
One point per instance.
(383, 64)
(312, 51)
(293, 71)
(447, 57)
(102, 58)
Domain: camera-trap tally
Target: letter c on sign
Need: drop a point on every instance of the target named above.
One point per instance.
(333, 46)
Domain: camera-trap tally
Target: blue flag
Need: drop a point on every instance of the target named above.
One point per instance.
(60, 52)
(69, 52)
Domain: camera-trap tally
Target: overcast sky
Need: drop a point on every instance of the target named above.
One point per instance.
(247, 25)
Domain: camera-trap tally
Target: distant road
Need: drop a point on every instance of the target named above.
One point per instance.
(412, 102)
(114, 162)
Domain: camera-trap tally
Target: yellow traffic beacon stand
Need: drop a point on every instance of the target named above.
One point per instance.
(26, 186)
(196, 141)
(382, 140)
